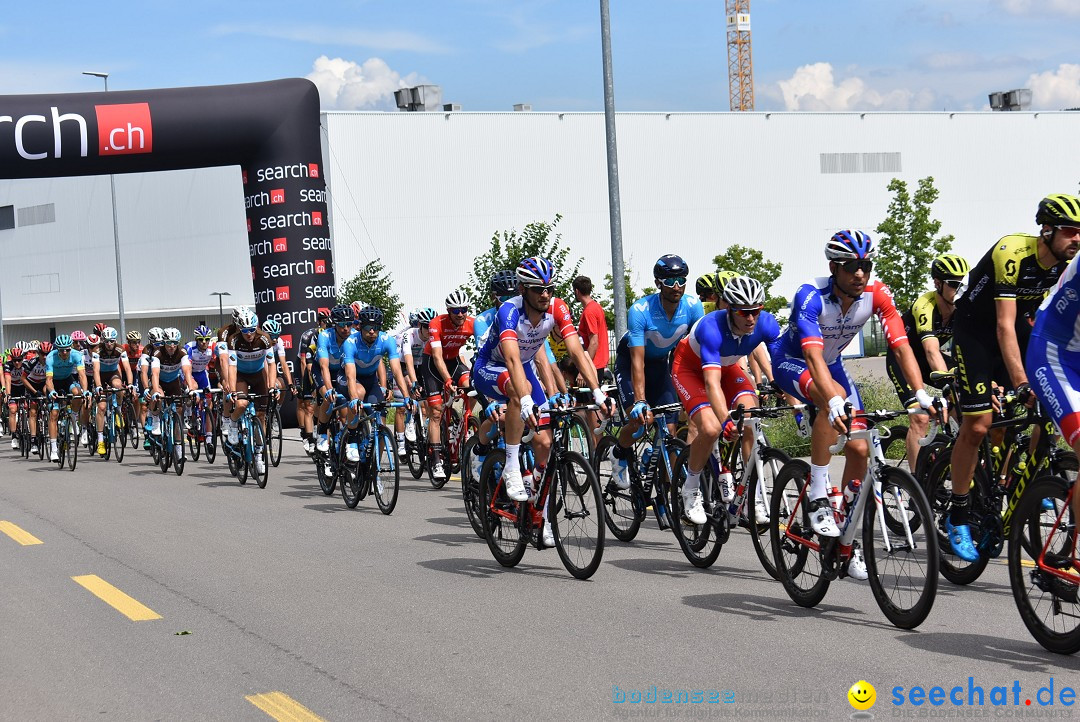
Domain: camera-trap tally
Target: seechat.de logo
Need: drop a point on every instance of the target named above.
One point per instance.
(124, 129)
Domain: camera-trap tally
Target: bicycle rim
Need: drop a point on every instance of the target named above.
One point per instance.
(772, 461)
(622, 513)
(178, 444)
(73, 445)
(500, 513)
(700, 543)
(275, 437)
(797, 565)
(575, 509)
(387, 473)
(259, 451)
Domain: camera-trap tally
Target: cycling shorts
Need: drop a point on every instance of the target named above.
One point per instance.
(792, 375)
(252, 384)
(978, 365)
(1054, 375)
(373, 392)
(433, 384)
(659, 391)
(493, 381)
(688, 377)
(66, 385)
(173, 388)
(202, 379)
(16, 392)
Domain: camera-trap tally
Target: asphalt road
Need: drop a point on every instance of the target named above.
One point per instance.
(351, 614)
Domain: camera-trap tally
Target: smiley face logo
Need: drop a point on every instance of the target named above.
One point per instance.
(862, 695)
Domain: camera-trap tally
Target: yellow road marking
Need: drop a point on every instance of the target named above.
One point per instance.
(20, 535)
(130, 608)
(282, 707)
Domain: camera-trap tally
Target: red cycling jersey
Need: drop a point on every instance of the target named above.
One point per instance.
(446, 335)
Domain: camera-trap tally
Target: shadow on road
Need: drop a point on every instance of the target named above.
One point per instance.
(451, 540)
(1020, 655)
(484, 569)
(772, 608)
(460, 521)
(681, 569)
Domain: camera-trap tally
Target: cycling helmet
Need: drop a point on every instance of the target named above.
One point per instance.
(341, 314)
(78, 336)
(949, 265)
(670, 266)
(744, 292)
(412, 318)
(324, 315)
(63, 341)
(44, 346)
(155, 335)
(722, 277)
(849, 245)
(237, 310)
(535, 271)
(35, 345)
(706, 285)
(93, 340)
(357, 307)
(202, 332)
(370, 316)
(1059, 209)
(109, 334)
(272, 327)
(424, 316)
(457, 299)
(99, 327)
(17, 353)
(134, 336)
(503, 283)
(172, 335)
(247, 319)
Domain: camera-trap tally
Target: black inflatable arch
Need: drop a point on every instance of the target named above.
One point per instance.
(271, 130)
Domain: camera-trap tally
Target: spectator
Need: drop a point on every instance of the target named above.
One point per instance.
(593, 326)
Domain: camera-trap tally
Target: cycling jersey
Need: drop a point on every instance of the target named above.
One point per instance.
(199, 359)
(512, 321)
(1053, 355)
(108, 363)
(309, 345)
(250, 355)
(332, 349)
(1009, 270)
(61, 368)
(447, 336)
(410, 344)
(817, 319)
(482, 323)
(1058, 317)
(366, 358)
(16, 374)
(714, 342)
(34, 370)
(169, 366)
(648, 325)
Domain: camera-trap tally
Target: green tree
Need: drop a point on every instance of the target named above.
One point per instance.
(752, 262)
(374, 287)
(908, 241)
(508, 248)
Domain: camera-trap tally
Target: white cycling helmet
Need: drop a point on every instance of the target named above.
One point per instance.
(172, 335)
(155, 335)
(744, 292)
(247, 318)
(457, 299)
(109, 333)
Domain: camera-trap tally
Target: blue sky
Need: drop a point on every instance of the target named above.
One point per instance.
(669, 55)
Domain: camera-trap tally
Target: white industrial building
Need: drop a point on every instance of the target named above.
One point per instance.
(424, 192)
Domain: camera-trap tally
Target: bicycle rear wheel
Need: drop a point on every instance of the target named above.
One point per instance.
(192, 430)
(902, 562)
(385, 471)
(274, 435)
(623, 512)
(499, 513)
(797, 565)
(165, 441)
(580, 436)
(131, 424)
(353, 476)
(772, 461)
(983, 521)
(417, 450)
(700, 543)
(327, 478)
(211, 434)
(470, 488)
(1047, 603)
(177, 422)
(260, 452)
(576, 510)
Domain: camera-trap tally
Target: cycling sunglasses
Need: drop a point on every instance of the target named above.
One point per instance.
(248, 330)
(541, 290)
(172, 343)
(855, 265)
(464, 309)
(748, 312)
(954, 283)
(673, 282)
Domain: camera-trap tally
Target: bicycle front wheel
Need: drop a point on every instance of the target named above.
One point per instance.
(211, 434)
(177, 423)
(772, 461)
(192, 430)
(1048, 603)
(353, 476)
(580, 436)
(417, 450)
(274, 436)
(385, 472)
(470, 488)
(72, 434)
(116, 434)
(983, 521)
(901, 553)
(700, 543)
(499, 513)
(576, 512)
(798, 565)
(260, 454)
(622, 509)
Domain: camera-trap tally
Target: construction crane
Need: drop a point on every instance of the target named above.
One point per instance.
(740, 62)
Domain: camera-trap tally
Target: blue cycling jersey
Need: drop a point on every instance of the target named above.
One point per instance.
(60, 368)
(1058, 318)
(330, 348)
(109, 363)
(648, 325)
(716, 344)
(482, 323)
(199, 359)
(367, 358)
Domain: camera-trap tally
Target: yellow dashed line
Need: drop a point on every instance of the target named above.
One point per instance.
(282, 707)
(20, 535)
(130, 608)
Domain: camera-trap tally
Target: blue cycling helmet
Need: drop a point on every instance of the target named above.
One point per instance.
(272, 327)
(62, 341)
(203, 332)
(341, 314)
(849, 246)
(370, 316)
(670, 266)
(535, 271)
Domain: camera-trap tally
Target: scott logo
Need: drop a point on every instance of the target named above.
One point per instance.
(281, 293)
(124, 129)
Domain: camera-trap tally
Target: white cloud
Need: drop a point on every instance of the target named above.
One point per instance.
(1041, 7)
(346, 85)
(1056, 89)
(813, 88)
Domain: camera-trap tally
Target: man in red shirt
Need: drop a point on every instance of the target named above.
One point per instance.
(441, 368)
(593, 326)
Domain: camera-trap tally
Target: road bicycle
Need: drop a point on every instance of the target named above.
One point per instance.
(898, 540)
(569, 491)
(377, 468)
(251, 445)
(456, 429)
(67, 431)
(470, 483)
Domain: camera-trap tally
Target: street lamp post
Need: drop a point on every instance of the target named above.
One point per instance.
(618, 273)
(116, 230)
(220, 314)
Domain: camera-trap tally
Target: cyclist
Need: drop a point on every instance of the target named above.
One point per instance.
(410, 342)
(655, 324)
(200, 353)
(111, 370)
(305, 356)
(1005, 289)
(503, 372)
(707, 291)
(362, 361)
(170, 375)
(330, 355)
(273, 330)
(826, 314)
(930, 321)
(155, 337)
(710, 381)
(252, 375)
(64, 369)
(448, 333)
(33, 374)
(16, 389)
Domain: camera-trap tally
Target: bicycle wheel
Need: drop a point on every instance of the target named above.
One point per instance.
(452, 443)
(1048, 604)
(327, 477)
(385, 472)
(982, 521)
(240, 451)
(353, 476)
(897, 443)
(499, 513)
(902, 564)
(131, 424)
(700, 544)
(177, 440)
(772, 461)
(72, 435)
(470, 488)
(211, 434)
(165, 441)
(623, 512)
(580, 436)
(192, 424)
(273, 435)
(798, 565)
(575, 510)
(259, 450)
(416, 451)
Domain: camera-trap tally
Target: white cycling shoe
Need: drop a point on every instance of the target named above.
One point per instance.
(694, 507)
(515, 487)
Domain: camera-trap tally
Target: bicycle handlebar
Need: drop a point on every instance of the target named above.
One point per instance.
(878, 416)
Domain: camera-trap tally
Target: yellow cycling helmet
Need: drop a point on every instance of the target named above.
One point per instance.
(949, 265)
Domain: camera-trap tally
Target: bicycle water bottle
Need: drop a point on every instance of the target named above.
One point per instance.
(851, 493)
(836, 500)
